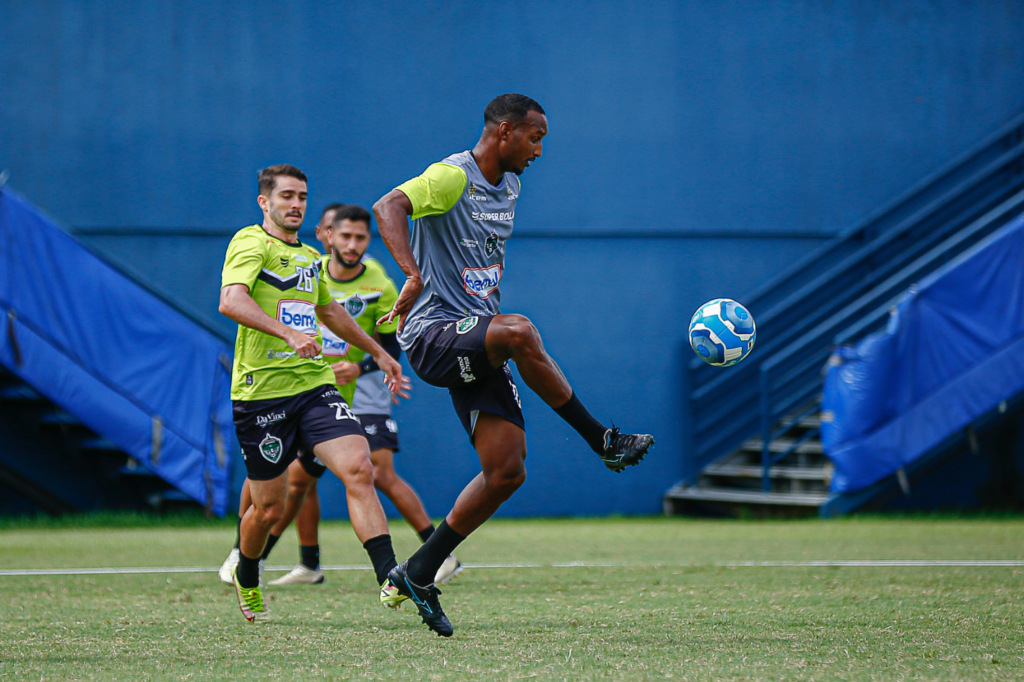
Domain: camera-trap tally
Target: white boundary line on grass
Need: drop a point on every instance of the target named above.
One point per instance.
(572, 564)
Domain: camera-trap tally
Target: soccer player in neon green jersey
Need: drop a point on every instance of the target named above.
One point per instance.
(283, 390)
(363, 287)
(455, 336)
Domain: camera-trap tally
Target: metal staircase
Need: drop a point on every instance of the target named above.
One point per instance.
(754, 428)
(52, 462)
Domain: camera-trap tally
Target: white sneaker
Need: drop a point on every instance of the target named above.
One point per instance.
(228, 566)
(300, 575)
(449, 569)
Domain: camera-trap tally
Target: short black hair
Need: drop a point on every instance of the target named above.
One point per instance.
(267, 179)
(351, 212)
(510, 107)
(330, 207)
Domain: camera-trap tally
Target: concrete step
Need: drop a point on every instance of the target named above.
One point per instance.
(736, 496)
(741, 471)
(808, 447)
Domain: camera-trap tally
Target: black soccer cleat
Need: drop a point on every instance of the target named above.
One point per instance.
(623, 450)
(425, 599)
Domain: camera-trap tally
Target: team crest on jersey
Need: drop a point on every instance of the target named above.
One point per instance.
(492, 243)
(466, 324)
(271, 448)
(355, 306)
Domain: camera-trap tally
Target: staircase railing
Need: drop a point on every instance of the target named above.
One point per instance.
(800, 311)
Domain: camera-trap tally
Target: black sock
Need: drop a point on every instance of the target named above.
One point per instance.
(426, 533)
(428, 558)
(578, 418)
(271, 541)
(311, 556)
(238, 533)
(382, 556)
(248, 571)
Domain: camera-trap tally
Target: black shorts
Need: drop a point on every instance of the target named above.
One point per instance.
(452, 355)
(381, 431)
(272, 431)
(313, 466)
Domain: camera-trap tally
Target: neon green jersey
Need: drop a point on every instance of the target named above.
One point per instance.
(367, 298)
(284, 280)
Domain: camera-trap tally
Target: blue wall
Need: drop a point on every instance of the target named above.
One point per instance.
(695, 149)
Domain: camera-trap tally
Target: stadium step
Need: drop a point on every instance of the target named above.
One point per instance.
(823, 473)
(809, 447)
(731, 501)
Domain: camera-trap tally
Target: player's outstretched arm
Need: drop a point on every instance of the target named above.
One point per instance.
(392, 212)
(337, 319)
(237, 305)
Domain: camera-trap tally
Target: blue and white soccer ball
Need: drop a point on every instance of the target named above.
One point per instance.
(722, 332)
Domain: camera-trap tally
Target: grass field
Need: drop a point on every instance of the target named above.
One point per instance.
(671, 603)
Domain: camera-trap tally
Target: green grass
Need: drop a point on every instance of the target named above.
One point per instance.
(671, 607)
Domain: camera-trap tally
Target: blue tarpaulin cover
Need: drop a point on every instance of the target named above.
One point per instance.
(124, 362)
(952, 351)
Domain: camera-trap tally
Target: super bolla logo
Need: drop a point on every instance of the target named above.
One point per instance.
(298, 315)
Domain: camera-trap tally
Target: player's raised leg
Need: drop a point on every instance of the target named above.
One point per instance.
(514, 337)
(349, 458)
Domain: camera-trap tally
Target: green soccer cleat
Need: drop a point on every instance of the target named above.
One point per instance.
(390, 597)
(250, 599)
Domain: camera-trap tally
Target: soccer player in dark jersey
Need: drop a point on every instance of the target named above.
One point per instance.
(282, 389)
(456, 337)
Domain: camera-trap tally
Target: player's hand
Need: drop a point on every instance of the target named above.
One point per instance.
(304, 346)
(345, 372)
(398, 385)
(410, 292)
(407, 385)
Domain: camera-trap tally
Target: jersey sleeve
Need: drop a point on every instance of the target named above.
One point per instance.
(385, 304)
(323, 294)
(243, 261)
(436, 191)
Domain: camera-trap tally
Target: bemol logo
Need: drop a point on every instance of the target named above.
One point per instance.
(333, 345)
(483, 281)
(298, 315)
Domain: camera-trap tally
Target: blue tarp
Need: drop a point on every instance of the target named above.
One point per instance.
(124, 362)
(952, 351)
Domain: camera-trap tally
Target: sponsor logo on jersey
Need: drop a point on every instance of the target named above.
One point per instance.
(355, 306)
(334, 345)
(331, 393)
(466, 324)
(482, 281)
(284, 261)
(271, 448)
(475, 194)
(469, 243)
(299, 258)
(298, 315)
(465, 370)
(503, 216)
(447, 326)
(371, 429)
(265, 420)
(392, 425)
(510, 195)
(492, 244)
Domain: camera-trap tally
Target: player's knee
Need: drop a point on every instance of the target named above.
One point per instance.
(359, 471)
(384, 478)
(270, 514)
(520, 333)
(298, 488)
(508, 478)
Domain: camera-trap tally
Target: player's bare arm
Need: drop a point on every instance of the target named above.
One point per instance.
(239, 306)
(337, 319)
(392, 212)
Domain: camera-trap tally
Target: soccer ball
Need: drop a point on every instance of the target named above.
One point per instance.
(722, 332)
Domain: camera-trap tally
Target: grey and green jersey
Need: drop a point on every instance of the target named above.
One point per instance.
(460, 225)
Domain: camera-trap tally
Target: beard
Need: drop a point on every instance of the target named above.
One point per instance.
(345, 261)
(278, 219)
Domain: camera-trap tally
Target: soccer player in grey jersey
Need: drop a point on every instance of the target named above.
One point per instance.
(456, 337)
